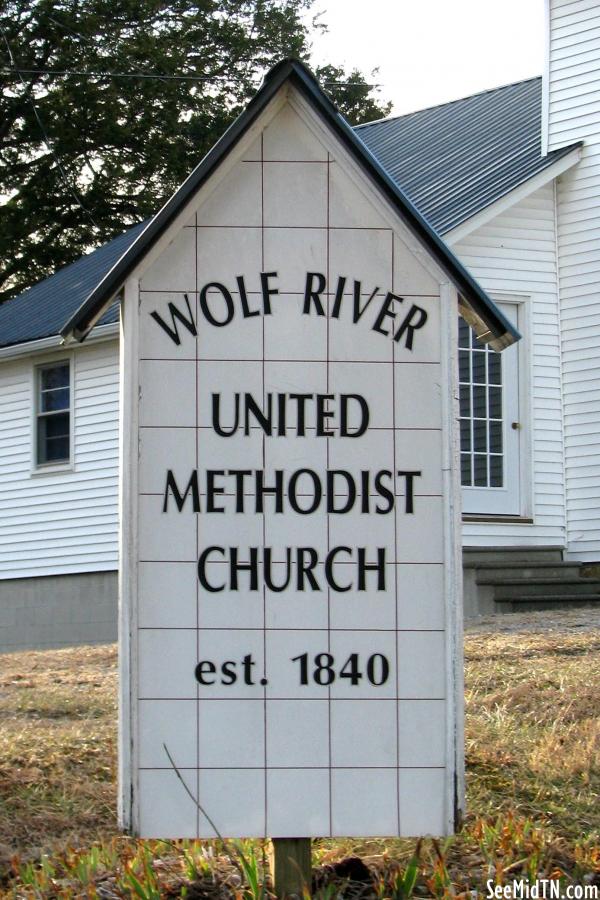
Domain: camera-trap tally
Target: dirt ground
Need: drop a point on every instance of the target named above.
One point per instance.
(532, 744)
(569, 621)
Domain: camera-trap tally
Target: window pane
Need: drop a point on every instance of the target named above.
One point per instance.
(480, 462)
(465, 469)
(57, 426)
(54, 377)
(465, 434)
(495, 471)
(494, 368)
(479, 435)
(464, 337)
(57, 449)
(479, 404)
(463, 365)
(53, 438)
(495, 403)
(496, 437)
(54, 399)
(479, 366)
(465, 400)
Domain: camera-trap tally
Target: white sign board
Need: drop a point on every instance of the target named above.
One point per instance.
(290, 563)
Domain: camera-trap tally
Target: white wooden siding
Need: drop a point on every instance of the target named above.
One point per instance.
(67, 522)
(515, 254)
(61, 522)
(574, 115)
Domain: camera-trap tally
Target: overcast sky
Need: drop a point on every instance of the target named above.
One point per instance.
(431, 51)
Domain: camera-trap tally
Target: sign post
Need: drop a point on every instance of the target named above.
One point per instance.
(291, 866)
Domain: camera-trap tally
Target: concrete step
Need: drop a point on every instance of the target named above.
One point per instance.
(536, 571)
(518, 588)
(561, 601)
(474, 557)
(530, 578)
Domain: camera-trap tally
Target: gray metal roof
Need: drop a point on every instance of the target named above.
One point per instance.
(455, 159)
(42, 310)
(451, 161)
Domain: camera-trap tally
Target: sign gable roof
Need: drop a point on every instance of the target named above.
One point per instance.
(481, 313)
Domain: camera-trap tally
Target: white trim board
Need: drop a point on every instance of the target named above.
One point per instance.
(546, 81)
(56, 342)
(455, 235)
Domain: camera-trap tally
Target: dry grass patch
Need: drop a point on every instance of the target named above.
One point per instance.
(533, 725)
(533, 779)
(57, 748)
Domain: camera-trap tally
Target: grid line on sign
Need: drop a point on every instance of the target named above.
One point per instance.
(252, 293)
(283, 768)
(295, 227)
(366, 699)
(250, 494)
(396, 569)
(264, 462)
(248, 359)
(328, 295)
(333, 630)
(197, 552)
(338, 562)
(308, 428)
(294, 162)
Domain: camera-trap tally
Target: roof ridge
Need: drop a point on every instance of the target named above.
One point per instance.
(416, 112)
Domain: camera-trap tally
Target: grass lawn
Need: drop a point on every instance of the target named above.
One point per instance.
(533, 782)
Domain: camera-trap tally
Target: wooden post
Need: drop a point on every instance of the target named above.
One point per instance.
(291, 867)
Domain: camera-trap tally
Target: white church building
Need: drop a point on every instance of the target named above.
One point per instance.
(506, 188)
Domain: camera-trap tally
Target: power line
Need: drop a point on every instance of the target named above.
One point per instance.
(61, 73)
(70, 187)
(92, 43)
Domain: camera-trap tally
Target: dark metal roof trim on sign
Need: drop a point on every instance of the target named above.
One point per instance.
(490, 324)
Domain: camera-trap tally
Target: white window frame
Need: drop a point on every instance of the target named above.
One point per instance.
(63, 465)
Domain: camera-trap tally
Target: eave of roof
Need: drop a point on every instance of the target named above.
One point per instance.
(568, 158)
(490, 324)
(42, 310)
